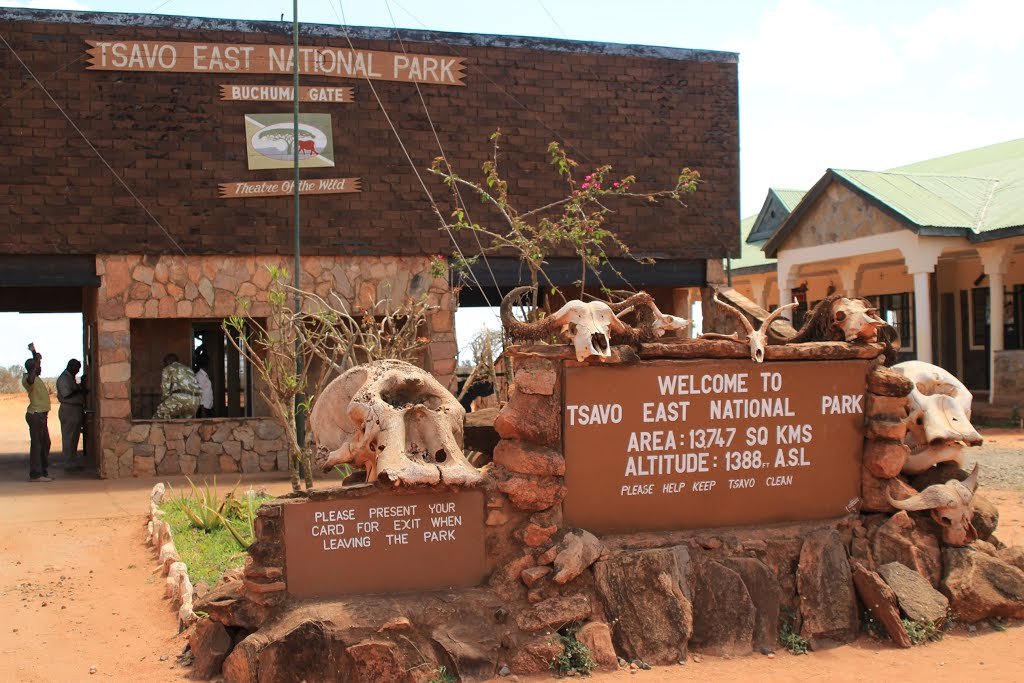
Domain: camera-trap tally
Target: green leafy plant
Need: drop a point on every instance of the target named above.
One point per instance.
(245, 511)
(203, 507)
(575, 657)
(789, 638)
(922, 632)
(443, 675)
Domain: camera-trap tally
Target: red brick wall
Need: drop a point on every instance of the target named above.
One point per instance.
(173, 141)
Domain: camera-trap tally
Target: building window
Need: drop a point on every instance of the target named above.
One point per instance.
(190, 340)
(1012, 301)
(898, 311)
(979, 318)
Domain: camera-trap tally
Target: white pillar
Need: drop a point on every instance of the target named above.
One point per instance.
(995, 261)
(849, 280)
(923, 316)
(761, 287)
(786, 274)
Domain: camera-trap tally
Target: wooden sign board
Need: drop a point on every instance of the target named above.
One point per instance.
(699, 444)
(227, 58)
(285, 188)
(384, 544)
(283, 93)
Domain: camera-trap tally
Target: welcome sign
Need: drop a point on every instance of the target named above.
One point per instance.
(227, 58)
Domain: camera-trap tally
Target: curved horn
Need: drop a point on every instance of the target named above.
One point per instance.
(775, 314)
(516, 328)
(734, 312)
(971, 482)
(936, 495)
(637, 299)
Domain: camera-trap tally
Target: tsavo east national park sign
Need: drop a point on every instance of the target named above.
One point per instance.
(689, 445)
(227, 58)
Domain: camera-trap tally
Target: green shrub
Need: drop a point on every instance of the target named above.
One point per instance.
(922, 632)
(788, 636)
(443, 675)
(575, 656)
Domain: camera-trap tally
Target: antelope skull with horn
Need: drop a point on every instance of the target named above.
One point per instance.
(951, 506)
(755, 339)
(588, 324)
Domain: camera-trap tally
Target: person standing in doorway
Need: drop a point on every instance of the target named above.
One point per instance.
(35, 415)
(205, 387)
(179, 391)
(71, 414)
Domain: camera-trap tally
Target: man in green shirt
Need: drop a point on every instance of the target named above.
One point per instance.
(35, 416)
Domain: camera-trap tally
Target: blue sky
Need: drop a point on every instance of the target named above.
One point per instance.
(823, 83)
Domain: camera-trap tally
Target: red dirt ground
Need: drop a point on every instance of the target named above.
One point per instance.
(77, 591)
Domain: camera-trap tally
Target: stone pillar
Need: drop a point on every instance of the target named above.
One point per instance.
(761, 287)
(849, 280)
(995, 261)
(923, 316)
(921, 258)
(786, 275)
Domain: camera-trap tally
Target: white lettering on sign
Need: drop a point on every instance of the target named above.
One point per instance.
(672, 411)
(392, 511)
(842, 404)
(651, 441)
(666, 463)
(598, 414)
(742, 409)
(735, 383)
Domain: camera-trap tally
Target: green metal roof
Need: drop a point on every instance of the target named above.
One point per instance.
(790, 198)
(978, 194)
(751, 255)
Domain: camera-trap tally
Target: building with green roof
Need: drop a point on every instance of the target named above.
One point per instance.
(938, 245)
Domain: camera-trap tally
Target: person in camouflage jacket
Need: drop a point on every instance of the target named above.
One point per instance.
(179, 391)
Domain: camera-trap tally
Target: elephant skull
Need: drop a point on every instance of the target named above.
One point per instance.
(939, 425)
(394, 420)
(950, 505)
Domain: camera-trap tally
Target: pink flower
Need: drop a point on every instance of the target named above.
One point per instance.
(615, 184)
(585, 185)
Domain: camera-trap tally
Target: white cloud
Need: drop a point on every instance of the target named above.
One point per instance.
(46, 4)
(972, 79)
(801, 46)
(967, 25)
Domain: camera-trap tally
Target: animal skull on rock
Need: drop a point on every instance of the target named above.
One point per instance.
(939, 424)
(857, 320)
(755, 339)
(394, 420)
(589, 325)
(951, 506)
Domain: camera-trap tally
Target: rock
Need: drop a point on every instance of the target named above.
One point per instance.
(535, 536)
(937, 474)
(723, 613)
(980, 587)
(496, 518)
(578, 549)
(479, 434)
(890, 430)
(532, 575)
(645, 600)
(535, 376)
(250, 462)
(210, 645)
(885, 459)
(376, 660)
(885, 381)
(532, 493)
(396, 624)
(554, 613)
(875, 492)
(828, 607)
(530, 417)
(596, 636)
(766, 596)
(916, 597)
(880, 600)
(986, 516)
(524, 457)
(892, 408)
(1013, 556)
(537, 655)
(903, 539)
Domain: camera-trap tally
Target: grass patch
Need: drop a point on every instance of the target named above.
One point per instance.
(207, 554)
(443, 675)
(922, 632)
(789, 638)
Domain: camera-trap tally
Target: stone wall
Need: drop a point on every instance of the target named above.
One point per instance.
(134, 287)
(1009, 372)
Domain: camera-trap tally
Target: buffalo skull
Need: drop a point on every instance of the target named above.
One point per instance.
(939, 424)
(856, 320)
(394, 420)
(588, 325)
(951, 506)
